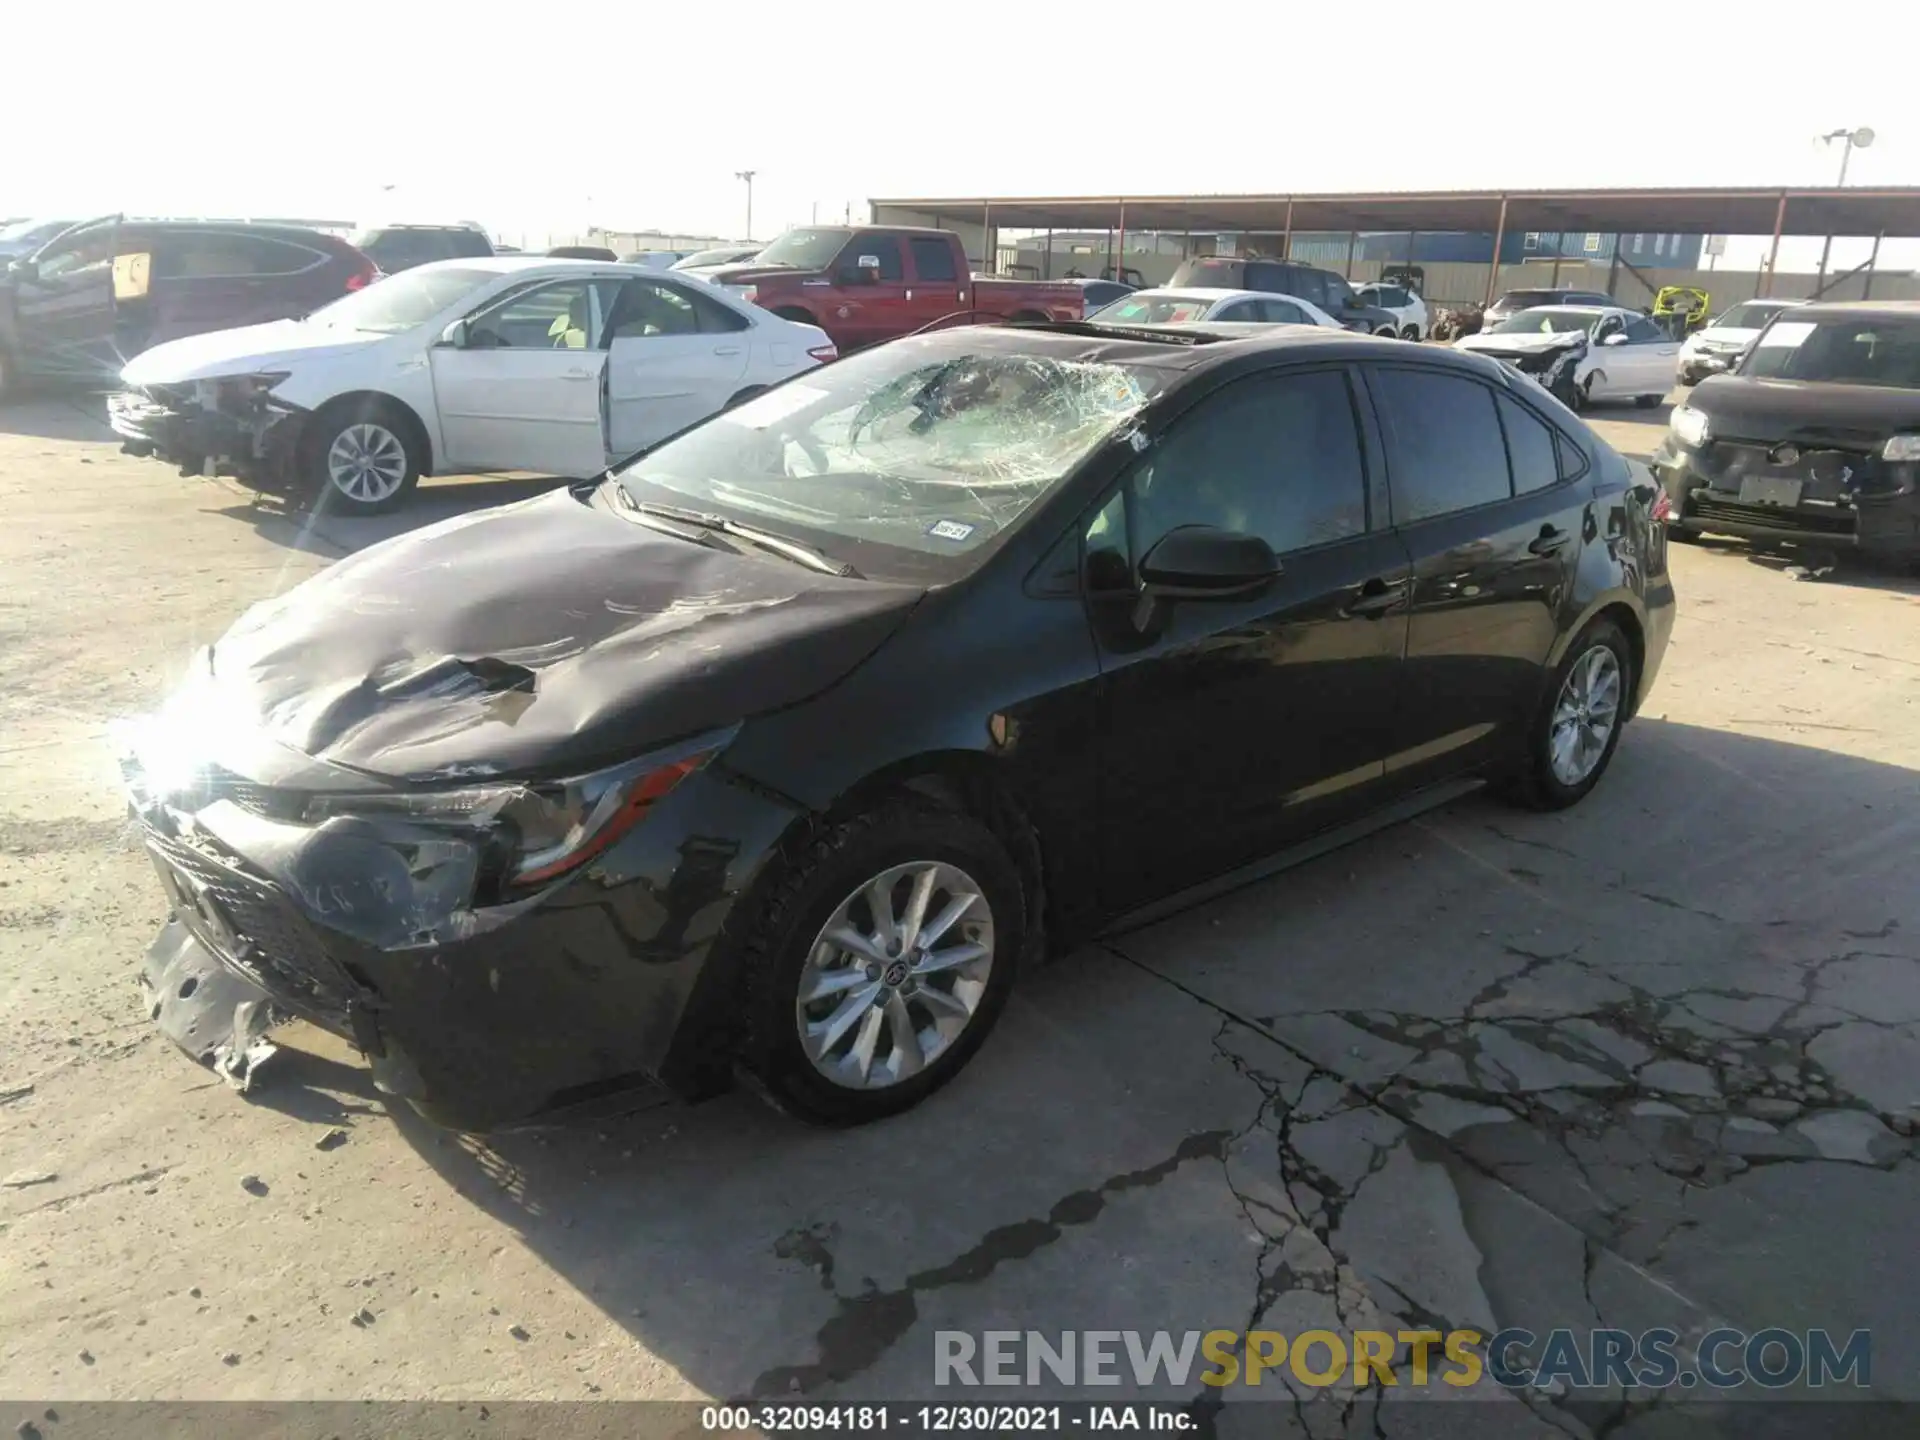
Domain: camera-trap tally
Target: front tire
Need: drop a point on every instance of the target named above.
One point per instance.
(1387, 332)
(1411, 332)
(881, 962)
(361, 458)
(1647, 402)
(1572, 739)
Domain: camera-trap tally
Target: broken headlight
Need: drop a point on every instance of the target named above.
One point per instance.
(545, 828)
(229, 392)
(1690, 427)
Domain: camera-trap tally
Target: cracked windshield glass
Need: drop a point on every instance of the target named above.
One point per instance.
(933, 446)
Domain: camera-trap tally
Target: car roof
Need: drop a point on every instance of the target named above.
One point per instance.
(1864, 310)
(1210, 293)
(217, 227)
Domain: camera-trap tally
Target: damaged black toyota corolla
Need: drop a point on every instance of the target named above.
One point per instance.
(781, 749)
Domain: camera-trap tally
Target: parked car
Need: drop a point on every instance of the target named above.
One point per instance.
(866, 284)
(727, 761)
(1185, 307)
(457, 366)
(1584, 354)
(1095, 294)
(1717, 346)
(1408, 309)
(99, 294)
(582, 252)
(1814, 438)
(23, 237)
(1512, 302)
(716, 258)
(1323, 288)
(401, 247)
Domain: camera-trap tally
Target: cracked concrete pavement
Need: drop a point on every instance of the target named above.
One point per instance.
(1653, 1061)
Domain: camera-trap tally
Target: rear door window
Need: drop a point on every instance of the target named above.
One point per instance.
(932, 259)
(1445, 448)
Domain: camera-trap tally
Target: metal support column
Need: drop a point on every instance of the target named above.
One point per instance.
(1046, 263)
(1866, 286)
(1499, 239)
(1286, 239)
(1773, 255)
(1613, 267)
(987, 258)
(1353, 238)
(1121, 263)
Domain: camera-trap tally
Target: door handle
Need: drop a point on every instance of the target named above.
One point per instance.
(578, 375)
(1549, 541)
(1375, 598)
(726, 349)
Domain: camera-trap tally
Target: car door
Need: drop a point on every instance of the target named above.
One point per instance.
(521, 388)
(1651, 357)
(870, 299)
(64, 313)
(1231, 726)
(1493, 521)
(933, 282)
(674, 356)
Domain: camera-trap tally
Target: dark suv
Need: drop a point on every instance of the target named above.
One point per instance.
(1329, 291)
(99, 293)
(400, 247)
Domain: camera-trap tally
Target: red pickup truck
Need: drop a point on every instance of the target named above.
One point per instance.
(865, 284)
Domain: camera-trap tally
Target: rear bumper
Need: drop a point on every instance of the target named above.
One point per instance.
(257, 448)
(1880, 521)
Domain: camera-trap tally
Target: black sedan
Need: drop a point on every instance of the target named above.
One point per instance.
(784, 747)
(1814, 440)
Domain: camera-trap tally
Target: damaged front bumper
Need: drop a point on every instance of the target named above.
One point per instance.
(209, 427)
(1845, 500)
(1554, 369)
(477, 1014)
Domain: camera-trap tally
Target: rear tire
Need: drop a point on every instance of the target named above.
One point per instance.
(1647, 402)
(363, 457)
(828, 887)
(1387, 332)
(1564, 757)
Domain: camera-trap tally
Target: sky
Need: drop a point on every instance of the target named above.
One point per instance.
(541, 121)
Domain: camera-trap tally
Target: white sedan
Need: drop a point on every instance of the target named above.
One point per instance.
(1714, 348)
(1186, 305)
(560, 367)
(1626, 356)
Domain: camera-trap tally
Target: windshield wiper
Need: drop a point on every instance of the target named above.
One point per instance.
(778, 544)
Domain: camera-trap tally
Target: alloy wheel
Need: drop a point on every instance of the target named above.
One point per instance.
(895, 976)
(367, 462)
(1584, 716)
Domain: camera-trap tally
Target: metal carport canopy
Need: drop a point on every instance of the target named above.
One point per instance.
(1829, 211)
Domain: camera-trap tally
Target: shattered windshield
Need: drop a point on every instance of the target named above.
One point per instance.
(1878, 351)
(1545, 322)
(932, 446)
(400, 302)
(804, 249)
(1153, 310)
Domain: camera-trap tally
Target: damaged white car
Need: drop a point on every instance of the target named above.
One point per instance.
(559, 367)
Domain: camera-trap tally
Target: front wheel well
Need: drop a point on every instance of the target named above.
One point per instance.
(402, 413)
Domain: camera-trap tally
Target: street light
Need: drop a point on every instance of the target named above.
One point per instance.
(747, 175)
(1862, 138)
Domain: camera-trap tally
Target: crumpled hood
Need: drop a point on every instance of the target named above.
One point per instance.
(537, 638)
(244, 351)
(1521, 344)
(1739, 407)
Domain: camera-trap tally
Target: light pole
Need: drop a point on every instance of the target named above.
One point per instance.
(747, 175)
(1863, 137)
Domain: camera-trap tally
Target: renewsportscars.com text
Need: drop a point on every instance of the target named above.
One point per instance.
(1511, 1359)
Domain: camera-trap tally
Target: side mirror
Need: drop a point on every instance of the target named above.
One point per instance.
(1199, 562)
(25, 270)
(1617, 338)
(865, 270)
(455, 335)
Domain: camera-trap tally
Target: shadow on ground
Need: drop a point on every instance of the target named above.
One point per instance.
(1646, 1062)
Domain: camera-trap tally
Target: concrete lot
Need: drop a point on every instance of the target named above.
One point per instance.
(1652, 1061)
